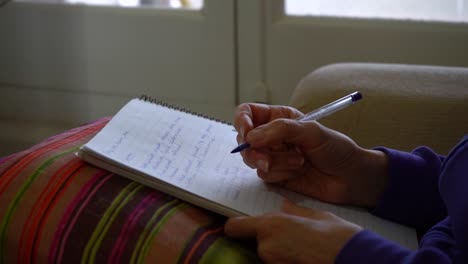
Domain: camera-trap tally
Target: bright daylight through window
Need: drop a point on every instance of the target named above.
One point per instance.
(187, 4)
(455, 11)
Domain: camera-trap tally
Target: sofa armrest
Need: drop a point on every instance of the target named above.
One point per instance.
(404, 106)
(55, 208)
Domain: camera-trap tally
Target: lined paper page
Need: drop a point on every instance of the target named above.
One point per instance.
(193, 153)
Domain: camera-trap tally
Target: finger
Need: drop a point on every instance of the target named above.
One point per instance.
(284, 168)
(246, 154)
(241, 227)
(287, 131)
(278, 177)
(256, 159)
(282, 147)
(274, 166)
(250, 115)
(280, 111)
(263, 113)
(293, 209)
(286, 160)
(243, 119)
(239, 139)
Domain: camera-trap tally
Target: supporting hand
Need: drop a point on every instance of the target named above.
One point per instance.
(296, 235)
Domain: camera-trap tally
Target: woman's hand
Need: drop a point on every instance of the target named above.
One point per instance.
(298, 235)
(309, 158)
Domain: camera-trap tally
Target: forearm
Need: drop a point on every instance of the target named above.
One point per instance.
(368, 247)
(398, 185)
(411, 195)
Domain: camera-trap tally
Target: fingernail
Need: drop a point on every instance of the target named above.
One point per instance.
(262, 165)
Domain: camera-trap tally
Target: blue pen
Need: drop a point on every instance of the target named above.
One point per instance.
(319, 113)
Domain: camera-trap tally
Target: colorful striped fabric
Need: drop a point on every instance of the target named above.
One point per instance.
(54, 208)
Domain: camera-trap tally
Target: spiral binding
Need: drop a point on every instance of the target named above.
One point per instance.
(153, 100)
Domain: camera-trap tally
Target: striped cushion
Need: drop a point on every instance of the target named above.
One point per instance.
(56, 208)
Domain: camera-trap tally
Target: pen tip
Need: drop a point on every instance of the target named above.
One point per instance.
(240, 148)
(356, 96)
(236, 149)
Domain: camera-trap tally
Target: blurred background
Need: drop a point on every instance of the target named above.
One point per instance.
(68, 62)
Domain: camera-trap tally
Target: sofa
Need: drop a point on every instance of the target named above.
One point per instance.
(404, 106)
(56, 208)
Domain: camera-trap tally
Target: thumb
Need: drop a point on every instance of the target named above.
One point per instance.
(293, 209)
(290, 131)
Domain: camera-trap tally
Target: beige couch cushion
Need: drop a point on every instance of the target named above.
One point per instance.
(404, 106)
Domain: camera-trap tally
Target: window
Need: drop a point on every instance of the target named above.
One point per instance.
(423, 10)
(186, 4)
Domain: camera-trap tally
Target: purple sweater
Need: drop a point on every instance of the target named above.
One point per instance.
(428, 192)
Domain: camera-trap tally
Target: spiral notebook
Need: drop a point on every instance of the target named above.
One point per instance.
(188, 156)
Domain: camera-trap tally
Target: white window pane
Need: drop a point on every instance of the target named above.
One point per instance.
(187, 4)
(432, 10)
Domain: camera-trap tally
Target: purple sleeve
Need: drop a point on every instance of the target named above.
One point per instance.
(380, 250)
(412, 195)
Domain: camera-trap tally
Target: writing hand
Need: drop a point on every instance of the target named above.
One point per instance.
(308, 157)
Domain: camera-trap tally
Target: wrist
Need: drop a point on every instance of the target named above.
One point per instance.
(372, 170)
